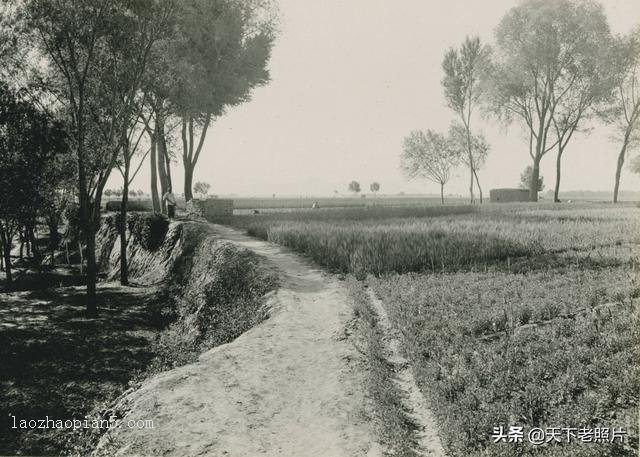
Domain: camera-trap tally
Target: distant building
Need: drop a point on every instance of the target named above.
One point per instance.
(508, 195)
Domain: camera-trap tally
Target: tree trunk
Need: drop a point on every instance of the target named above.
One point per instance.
(86, 222)
(21, 236)
(535, 175)
(163, 151)
(472, 198)
(188, 182)
(162, 174)
(475, 173)
(34, 245)
(556, 191)
(54, 238)
(442, 193)
(80, 253)
(167, 160)
(154, 175)
(619, 165)
(124, 270)
(6, 251)
(92, 271)
(162, 162)
(189, 155)
(466, 121)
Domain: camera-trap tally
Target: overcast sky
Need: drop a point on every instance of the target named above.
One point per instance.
(350, 78)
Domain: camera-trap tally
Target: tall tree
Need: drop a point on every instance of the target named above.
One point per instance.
(217, 54)
(96, 54)
(588, 86)
(461, 138)
(545, 71)
(462, 71)
(30, 144)
(429, 155)
(623, 113)
(131, 137)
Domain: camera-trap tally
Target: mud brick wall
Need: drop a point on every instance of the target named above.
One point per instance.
(509, 195)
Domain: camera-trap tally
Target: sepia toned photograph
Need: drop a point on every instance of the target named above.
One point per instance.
(319, 228)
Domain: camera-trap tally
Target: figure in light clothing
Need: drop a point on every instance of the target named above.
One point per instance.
(171, 203)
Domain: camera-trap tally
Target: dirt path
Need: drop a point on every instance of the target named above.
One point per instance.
(291, 386)
(427, 435)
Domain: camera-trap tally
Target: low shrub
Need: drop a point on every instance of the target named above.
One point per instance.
(71, 216)
(221, 298)
(148, 229)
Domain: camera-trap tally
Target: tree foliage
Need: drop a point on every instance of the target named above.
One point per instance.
(478, 146)
(31, 146)
(201, 187)
(525, 179)
(354, 186)
(623, 113)
(549, 67)
(463, 69)
(92, 59)
(429, 155)
(214, 56)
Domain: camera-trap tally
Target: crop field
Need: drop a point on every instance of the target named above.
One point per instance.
(335, 202)
(381, 240)
(513, 315)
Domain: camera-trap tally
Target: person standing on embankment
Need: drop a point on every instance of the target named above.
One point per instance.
(171, 203)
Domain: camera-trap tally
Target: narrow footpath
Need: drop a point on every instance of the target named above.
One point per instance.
(291, 386)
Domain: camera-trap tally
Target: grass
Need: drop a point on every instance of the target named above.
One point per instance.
(445, 238)
(539, 350)
(523, 314)
(220, 298)
(391, 420)
(54, 363)
(334, 202)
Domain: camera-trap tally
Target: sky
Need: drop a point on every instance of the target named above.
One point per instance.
(349, 80)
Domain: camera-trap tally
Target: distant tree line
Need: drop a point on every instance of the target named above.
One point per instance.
(554, 70)
(106, 85)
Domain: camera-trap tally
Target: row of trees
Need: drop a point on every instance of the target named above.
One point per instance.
(555, 69)
(434, 156)
(199, 188)
(123, 79)
(354, 186)
(118, 193)
(34, 173)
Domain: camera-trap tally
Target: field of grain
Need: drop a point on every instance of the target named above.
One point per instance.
(337, 202)
(381, 240)
(514, 315)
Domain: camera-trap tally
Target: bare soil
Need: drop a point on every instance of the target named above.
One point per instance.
(291, 386)
(413, 400)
